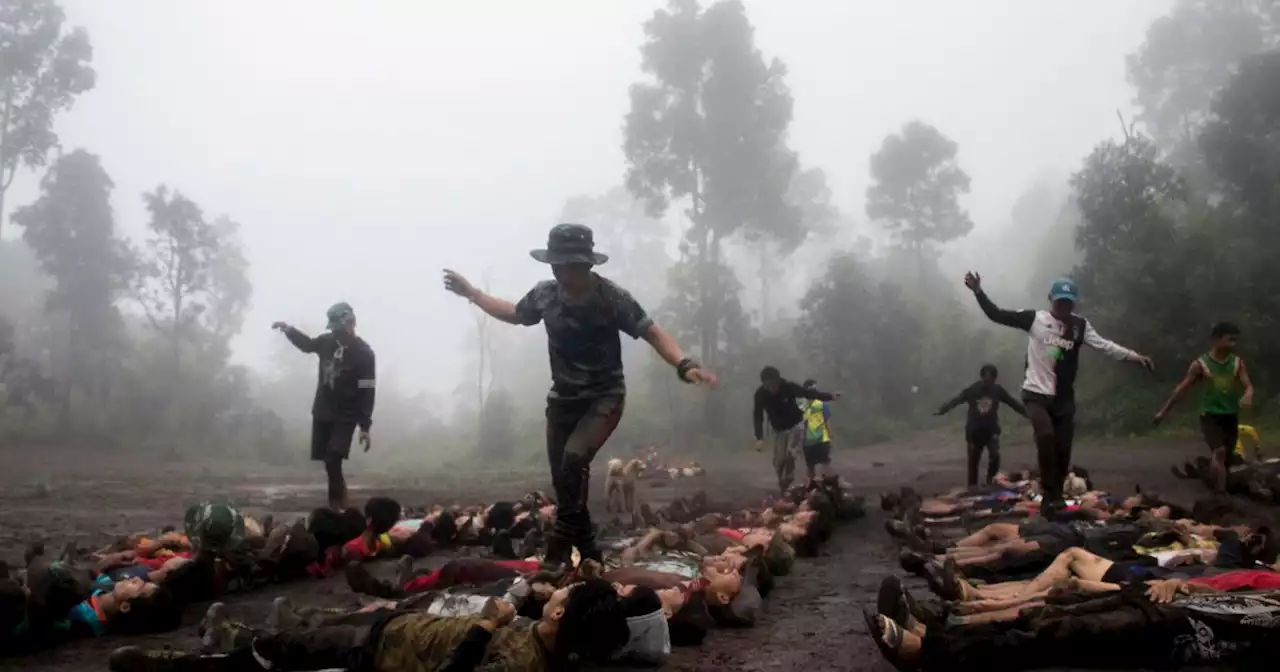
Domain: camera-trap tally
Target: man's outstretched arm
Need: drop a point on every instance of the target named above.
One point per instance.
(299, 340)
(1188, 381)
(670, 352)
(499, 309)
(1018, 319)
(1112, 349)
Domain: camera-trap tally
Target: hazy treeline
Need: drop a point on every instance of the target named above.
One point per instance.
(718, 226)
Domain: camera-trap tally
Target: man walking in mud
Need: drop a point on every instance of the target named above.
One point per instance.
(777, 398)
(1054, 338)
(344, 394)
(583, 314)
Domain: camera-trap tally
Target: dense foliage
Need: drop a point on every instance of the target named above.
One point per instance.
(1168, 227)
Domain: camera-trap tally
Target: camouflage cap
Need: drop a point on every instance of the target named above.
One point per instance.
(218, 528)
(570, 244)
(340, 315)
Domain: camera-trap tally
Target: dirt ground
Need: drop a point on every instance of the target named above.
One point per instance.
(811, 621)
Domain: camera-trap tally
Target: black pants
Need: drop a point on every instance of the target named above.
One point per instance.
(978, 439)
(331, 444)
(1054, 422)
(1221, 432)
(1112, 632)
(576, 429)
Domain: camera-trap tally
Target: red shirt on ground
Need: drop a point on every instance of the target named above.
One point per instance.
(1245, 579)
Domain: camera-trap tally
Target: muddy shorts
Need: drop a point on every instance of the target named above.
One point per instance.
(331, 439)
(1221, 431)
(817, 453)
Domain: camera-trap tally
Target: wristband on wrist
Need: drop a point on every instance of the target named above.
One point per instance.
(684, 367)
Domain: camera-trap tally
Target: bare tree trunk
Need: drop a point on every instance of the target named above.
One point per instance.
(766, 286)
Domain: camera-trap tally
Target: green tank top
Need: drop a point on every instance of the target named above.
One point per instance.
(1221, 396)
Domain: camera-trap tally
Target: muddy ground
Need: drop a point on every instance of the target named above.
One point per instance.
(811, 621)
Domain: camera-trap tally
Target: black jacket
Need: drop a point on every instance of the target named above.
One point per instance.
(347, 378)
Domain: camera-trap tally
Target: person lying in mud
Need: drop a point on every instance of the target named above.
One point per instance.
(1162, 625)
(584, 621)
(1079, 570)
(1257, 480)
(59, 601)
(1011, 550)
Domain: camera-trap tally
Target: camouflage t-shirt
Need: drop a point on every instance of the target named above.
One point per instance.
(582, 336)
(419, 642)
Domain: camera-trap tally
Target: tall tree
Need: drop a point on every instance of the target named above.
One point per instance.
(71, 228)
(867, 336)
(709, 127)
(1186, 57)
(918, 183)
(42, 70)
(1130, 242)
(176, 283)
(805, 209)
(1241, 143)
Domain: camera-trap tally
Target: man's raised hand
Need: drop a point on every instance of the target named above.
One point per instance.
(280, 326)
(973, 281)
(698, 376)
(454, 282)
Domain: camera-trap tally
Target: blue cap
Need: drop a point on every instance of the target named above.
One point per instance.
(1064, 288)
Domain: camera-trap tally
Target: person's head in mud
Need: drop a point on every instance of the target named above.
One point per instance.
(135, 606)
(988, 374)
(342, 322)
(583, 622)
(1223, 339)
(1063, 296)
(381, 514)
(770, 378)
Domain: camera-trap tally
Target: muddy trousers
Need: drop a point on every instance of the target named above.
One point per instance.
(977, 440)
(576, 429)
(1112, 632)
(1054, 423)
(786, 445)
(344, 641)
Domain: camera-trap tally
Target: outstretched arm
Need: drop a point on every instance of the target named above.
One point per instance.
(1188, 381)
(956, 401)
(499, 309)
(1109, 348)
(299, 340)
(810, 393)
(1018, 319)
(1011, 402)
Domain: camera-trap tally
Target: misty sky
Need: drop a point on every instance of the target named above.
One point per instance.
(365, 145)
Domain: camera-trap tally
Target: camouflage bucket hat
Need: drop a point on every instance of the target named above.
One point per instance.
(340, 315)
(214, 527)
(570, 244)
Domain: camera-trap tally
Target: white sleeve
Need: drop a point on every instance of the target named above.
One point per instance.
(1114, 350)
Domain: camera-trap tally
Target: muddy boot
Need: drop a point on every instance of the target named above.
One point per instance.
(282, 616)
(138, 659)
(404, 571)
(220, 634)
(361, 581)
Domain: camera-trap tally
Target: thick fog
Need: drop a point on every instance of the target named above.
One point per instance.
(365, 146)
